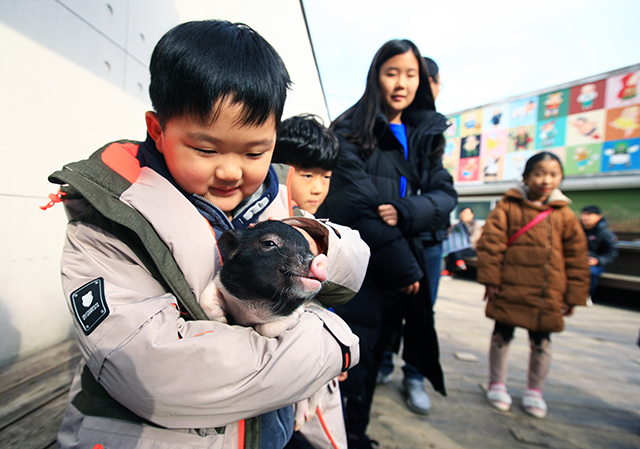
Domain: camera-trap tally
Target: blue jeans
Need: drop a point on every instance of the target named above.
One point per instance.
(433, 254)
(596, 272)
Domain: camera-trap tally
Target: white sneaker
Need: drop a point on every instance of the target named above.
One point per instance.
(499, 398)
(533, 404)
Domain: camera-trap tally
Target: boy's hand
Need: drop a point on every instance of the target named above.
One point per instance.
(592, 261)
(491, 291)
(313, 245)
(388, 213)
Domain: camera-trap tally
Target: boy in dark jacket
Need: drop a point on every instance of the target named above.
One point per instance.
(602, 243)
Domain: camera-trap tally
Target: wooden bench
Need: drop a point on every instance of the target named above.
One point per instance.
(33, 396)
(623, 273)
(621, 281)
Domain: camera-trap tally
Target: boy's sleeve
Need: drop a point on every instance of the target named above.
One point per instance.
(575, 248)
(348, 258)
(609, 250)
(189, 374)
(491, 247)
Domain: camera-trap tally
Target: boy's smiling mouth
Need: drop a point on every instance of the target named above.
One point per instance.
(223, 191)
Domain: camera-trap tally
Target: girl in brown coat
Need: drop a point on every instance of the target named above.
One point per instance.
(534, 275)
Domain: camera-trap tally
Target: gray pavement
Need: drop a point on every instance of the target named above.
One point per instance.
(593, 389)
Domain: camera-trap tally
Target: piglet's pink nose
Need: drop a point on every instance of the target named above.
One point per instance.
(319, 267)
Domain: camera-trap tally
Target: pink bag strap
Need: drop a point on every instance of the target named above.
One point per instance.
(537, 219)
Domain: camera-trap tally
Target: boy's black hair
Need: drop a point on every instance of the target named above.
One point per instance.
(303, 141)
(592, 209)
(197, 65)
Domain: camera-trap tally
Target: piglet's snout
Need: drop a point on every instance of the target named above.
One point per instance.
(319, 267)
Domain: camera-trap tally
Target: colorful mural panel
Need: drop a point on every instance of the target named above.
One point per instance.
(621, 155)
(583, 159)
(553, 105)
(622, 90)
(594, 127)
(550, 133)
(471, 123)
(586, 128)
(523, 112)
(451, 157)
(469, 169)
(587, 97)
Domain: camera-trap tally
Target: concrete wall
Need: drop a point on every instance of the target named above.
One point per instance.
(73, 76)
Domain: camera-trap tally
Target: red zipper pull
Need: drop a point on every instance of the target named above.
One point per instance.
(54, 198)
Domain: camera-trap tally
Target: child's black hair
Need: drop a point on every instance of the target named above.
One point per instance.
(432, 68)
(196, 66)
(542, 156)
(303, 141)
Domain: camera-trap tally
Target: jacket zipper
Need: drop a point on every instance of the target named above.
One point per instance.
(546, 272)
(216, 209)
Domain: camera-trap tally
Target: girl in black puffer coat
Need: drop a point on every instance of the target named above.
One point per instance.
(391, 186)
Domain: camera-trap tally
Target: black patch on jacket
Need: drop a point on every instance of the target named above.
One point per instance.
(89, 305)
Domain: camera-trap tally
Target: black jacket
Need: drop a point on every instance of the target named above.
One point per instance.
(359, 184)
(602, 243)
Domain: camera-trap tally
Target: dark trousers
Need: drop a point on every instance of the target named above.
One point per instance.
(454, 257)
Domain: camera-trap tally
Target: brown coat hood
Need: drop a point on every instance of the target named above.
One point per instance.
(542, 270)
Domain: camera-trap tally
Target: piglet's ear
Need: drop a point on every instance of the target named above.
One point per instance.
(228, 244)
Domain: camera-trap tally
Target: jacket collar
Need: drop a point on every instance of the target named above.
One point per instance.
(556, 199)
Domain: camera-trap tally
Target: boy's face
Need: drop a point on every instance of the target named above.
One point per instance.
(309, 187)
(589, 220)
(225, 162)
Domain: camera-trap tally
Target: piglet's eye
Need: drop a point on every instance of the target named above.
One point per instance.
(268, 244)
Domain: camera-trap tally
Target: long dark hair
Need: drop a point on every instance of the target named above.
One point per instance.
(363, 113)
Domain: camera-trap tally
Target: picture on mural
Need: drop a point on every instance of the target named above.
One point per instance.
(586, 128)
(553, 105)
(583, 159)
(522, 138)
(523, 112)
(622, 90)
(621, 155)
(471, 123)
(623, 123)
(550, 133)
(470, 146)
(495, 118)
(451, 157)
(587, 97)
(469, 169)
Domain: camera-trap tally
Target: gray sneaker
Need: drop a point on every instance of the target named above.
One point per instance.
(383, 379)
(417, 398)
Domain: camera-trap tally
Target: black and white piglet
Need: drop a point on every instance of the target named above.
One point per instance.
(268, 274)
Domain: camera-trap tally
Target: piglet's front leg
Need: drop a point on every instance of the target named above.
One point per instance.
(274, 328)
(211, 301)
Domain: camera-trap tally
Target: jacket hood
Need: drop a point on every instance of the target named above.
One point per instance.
(556, 199)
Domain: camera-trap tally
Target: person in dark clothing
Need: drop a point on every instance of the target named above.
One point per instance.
(417, 398)
(391, 186)
(602, 243)
(455, 260)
